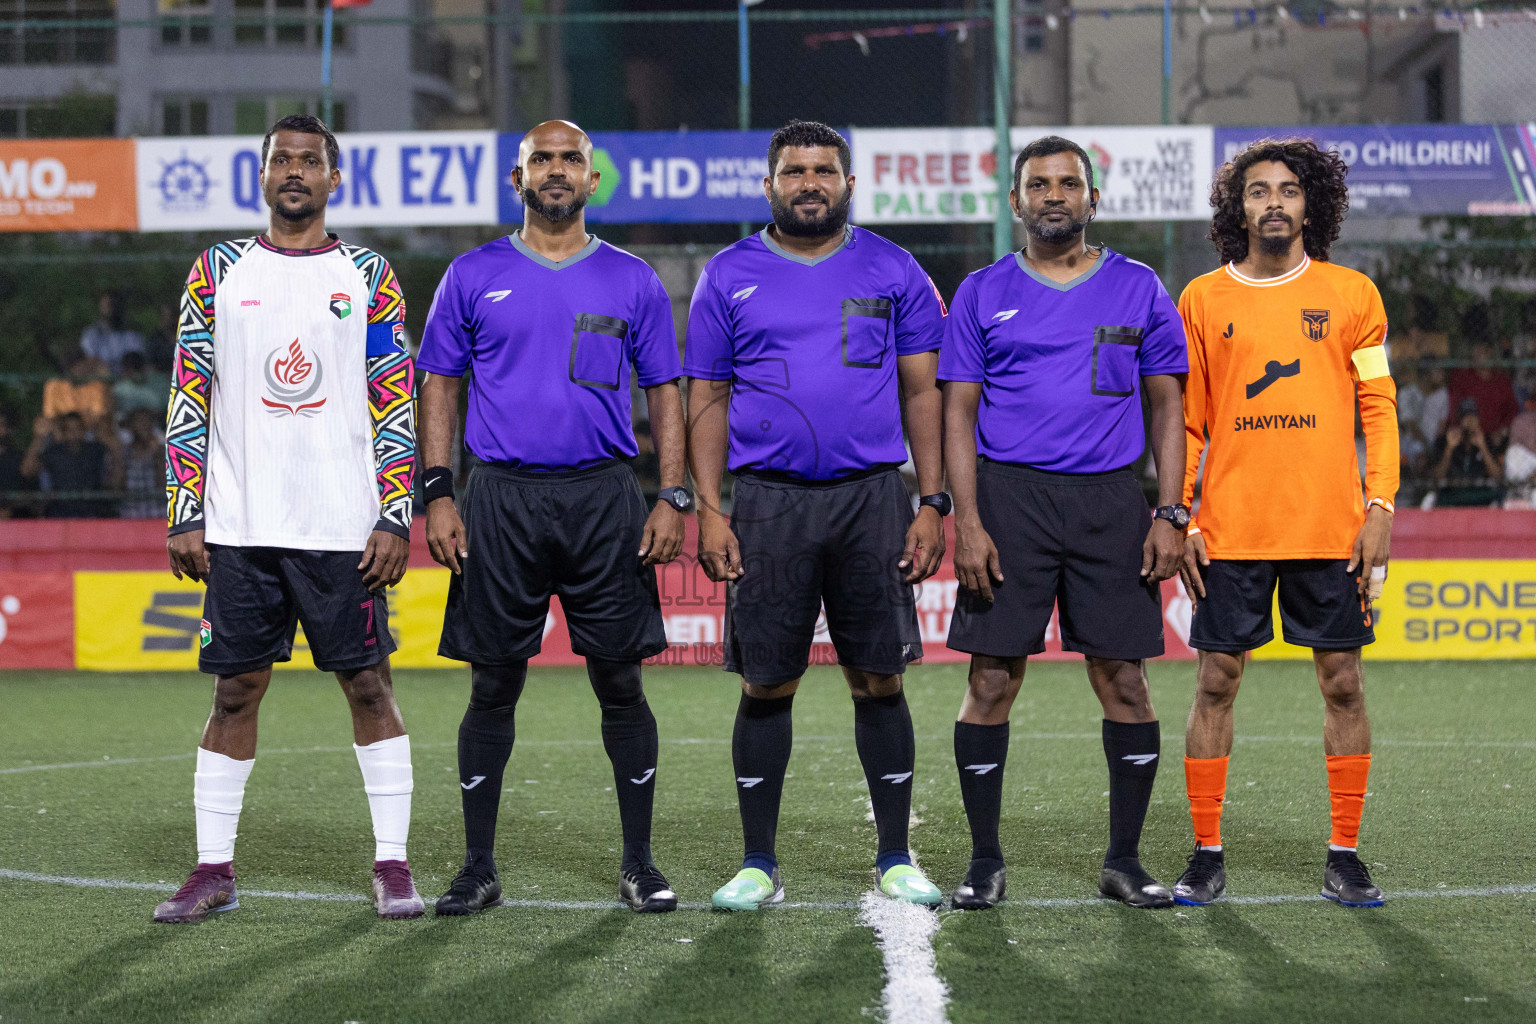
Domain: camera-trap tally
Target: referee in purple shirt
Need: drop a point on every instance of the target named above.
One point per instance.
(807, 342)
(1046, 354)
(551, 321)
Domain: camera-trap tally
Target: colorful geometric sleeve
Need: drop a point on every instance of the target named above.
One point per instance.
(391, 397)
(186, 424)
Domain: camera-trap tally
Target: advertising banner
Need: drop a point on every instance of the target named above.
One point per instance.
(388, 179)
(1431, 609)
(1419, 169)
(67, 185)
(36, 620)
(662, 177)
(944, 175)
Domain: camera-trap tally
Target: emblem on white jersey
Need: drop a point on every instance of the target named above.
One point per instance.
(1007, 314)
(341, 305)
(498, 296)
(293, 378)
(745, 293)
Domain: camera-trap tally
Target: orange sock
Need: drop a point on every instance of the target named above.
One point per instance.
(1347, 775)
(1205, 778)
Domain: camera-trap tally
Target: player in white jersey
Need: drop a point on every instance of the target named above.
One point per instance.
(292, 500)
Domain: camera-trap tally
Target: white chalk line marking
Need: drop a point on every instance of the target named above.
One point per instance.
(914, 993)
(12, 874)
(695, 741)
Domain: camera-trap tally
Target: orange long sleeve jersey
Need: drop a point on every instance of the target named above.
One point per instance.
(1274, 370)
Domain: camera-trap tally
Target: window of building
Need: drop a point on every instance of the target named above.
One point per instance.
(255, 114)
(284, 23)
(1434, 94)
(184, 116)
(185, 23)
(87, 44)
(73, 115)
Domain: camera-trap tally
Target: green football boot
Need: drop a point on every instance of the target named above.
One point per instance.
(750, 889)
(906, 883)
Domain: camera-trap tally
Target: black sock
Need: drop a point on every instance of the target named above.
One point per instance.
(760, 748)
(485, 742)
(629, 737)
(981, 752)
(882, 732)
(1132, 749)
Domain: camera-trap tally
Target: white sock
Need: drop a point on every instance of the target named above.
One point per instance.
(218, 789)
(1211, 849)
(1336, 848)
(386, 769)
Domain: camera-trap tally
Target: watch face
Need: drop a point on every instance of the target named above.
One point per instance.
(679, 499)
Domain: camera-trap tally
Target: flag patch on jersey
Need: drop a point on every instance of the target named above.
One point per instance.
(341, 305)
(204, 633)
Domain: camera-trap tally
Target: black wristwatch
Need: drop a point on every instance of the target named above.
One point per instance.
(1178, 515)
(677, 497)
(940, 503)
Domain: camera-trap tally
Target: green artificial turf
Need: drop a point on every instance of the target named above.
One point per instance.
(1450, 809)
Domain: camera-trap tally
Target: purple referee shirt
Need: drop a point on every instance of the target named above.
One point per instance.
(551, 346)
(1061, 364)
(811, 347)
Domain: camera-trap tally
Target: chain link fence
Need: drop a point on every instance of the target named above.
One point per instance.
(1450, 284)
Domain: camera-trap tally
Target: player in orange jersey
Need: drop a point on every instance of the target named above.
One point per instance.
(1281, 343)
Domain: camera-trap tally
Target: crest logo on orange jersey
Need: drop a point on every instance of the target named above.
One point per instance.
(1314, 323)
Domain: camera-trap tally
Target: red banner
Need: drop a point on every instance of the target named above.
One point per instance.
(37, 620)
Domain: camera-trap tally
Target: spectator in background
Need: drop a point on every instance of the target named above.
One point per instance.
(144, 467)
(109, 339)
(134, 389)
(83, 390)
(1491, 389)
(1412, 443)
(1437, 401)
(11, 476)
(67, 458)
(160, 346)
(1465, 468)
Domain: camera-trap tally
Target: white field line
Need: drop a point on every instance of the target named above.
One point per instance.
(10, 874)
(914, 993)
(693, 741)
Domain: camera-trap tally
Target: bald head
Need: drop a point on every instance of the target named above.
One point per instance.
(554, 172)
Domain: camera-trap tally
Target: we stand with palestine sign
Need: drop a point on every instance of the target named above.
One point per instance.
(932, 176)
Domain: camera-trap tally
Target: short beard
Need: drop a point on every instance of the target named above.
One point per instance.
(555, 213)
(1052, 234)
(1275, 245)
(296, 213)
(829, 223)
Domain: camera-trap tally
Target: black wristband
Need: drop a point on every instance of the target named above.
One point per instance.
(437, 482)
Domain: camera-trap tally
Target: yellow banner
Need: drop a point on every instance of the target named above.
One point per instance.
(1461, 609)
(127, 621)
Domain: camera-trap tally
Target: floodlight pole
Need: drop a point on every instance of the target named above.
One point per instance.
(327, 33)
(1002, 114)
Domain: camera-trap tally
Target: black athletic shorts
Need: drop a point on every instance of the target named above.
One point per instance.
(576, 534)
(1320, 606)
(256, 596)
(803, 544)
(1066, 539)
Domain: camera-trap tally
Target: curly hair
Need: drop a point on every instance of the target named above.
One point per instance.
(1321, 173)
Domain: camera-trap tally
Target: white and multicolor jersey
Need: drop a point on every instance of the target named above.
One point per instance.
(292, 420)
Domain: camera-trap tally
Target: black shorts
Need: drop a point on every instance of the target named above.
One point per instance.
(803, 544)
(530, 535)
(1066, 539)
(256, 596)
(1320, 606)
